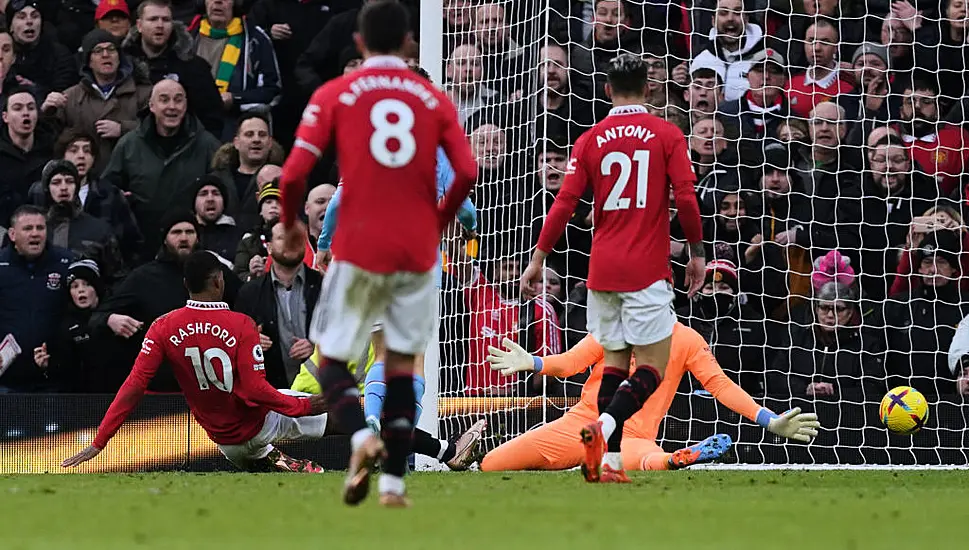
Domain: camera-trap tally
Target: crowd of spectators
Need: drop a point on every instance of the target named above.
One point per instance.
(827, 137)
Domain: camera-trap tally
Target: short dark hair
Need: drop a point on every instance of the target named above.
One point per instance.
(924, 82)
(248, 115)
(26, 210)
(72, 135)
(384, 25)
(627, 75)
(200, 267)
(140, 11)
(17, 90)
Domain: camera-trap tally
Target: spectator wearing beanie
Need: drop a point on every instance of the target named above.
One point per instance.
(78, 359)
(68, 226)
(733, 329)
(153, 290)
(107, 100)
(217, 231)
(250, 259)
(925, 317)
(39, 57)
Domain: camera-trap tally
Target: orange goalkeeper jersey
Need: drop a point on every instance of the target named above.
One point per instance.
(689, 353)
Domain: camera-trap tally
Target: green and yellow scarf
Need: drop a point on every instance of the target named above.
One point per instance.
(235, 32)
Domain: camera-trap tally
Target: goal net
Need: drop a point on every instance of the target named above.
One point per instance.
(829, 148)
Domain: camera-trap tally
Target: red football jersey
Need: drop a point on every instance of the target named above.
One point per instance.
(218, 363)
(944, 155)
(630, 159)
(386, 122)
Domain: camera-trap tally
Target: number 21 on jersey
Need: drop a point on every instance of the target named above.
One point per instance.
(615, 200)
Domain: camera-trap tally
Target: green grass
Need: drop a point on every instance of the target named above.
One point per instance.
(693, 510)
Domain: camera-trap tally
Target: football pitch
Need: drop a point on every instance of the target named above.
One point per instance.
(701, 509)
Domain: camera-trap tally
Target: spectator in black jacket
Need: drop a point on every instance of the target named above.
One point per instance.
(25, 149)
(40, 58)
(69, 226)
(762, 108)
(79, 360)
(151, 291)
(893, 194)
(733, 328)
(833, 358)
(98, 198)
(320, 62)
(218, 232)
(33, 295)
(282, 303)
(293, 26)
(922, 322)
(167, 48)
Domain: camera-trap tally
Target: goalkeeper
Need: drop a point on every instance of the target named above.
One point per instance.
(555, 446)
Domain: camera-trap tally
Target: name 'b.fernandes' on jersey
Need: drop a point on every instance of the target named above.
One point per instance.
(218, 363)
(386, 123)
(630, 159)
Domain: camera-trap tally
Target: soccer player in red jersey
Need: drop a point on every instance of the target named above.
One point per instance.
(218, 363)
(630, 160)
(386, 123)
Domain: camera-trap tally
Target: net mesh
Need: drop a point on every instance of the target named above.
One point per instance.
(829, 148)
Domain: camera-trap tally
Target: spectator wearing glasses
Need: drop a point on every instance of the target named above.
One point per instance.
(833, 357)
(107, 100)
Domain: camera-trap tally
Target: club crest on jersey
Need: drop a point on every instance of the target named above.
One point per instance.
(53, 281)
(571, 167)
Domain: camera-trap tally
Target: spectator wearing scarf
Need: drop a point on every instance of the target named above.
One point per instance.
(242, 59)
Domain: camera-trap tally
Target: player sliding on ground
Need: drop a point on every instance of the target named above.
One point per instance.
(386, 123)
(630, 160)
(218, 363)
(555, 447)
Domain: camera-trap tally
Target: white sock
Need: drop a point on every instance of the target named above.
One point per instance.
(391, 484)
(608, 425)
(359, 437)
(613, 460)
(444, 446)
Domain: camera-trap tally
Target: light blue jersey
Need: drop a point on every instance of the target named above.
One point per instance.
(467, 214)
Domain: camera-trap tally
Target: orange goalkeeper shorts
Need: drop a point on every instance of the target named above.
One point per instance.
(556, 446)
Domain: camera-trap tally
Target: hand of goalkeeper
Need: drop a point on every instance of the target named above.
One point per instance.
(794, 425)
(515, 359)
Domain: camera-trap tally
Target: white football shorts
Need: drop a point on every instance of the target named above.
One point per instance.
(618, 320)
(354, 299)
(277, 427)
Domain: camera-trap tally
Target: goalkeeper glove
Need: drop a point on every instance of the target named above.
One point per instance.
(515, 359)
(793, 424)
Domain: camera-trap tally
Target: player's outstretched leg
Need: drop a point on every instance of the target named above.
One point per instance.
(397, 427)
(708, 450)
(343, 398)
(460, 454)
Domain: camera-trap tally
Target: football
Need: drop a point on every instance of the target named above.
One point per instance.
(904, 410)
